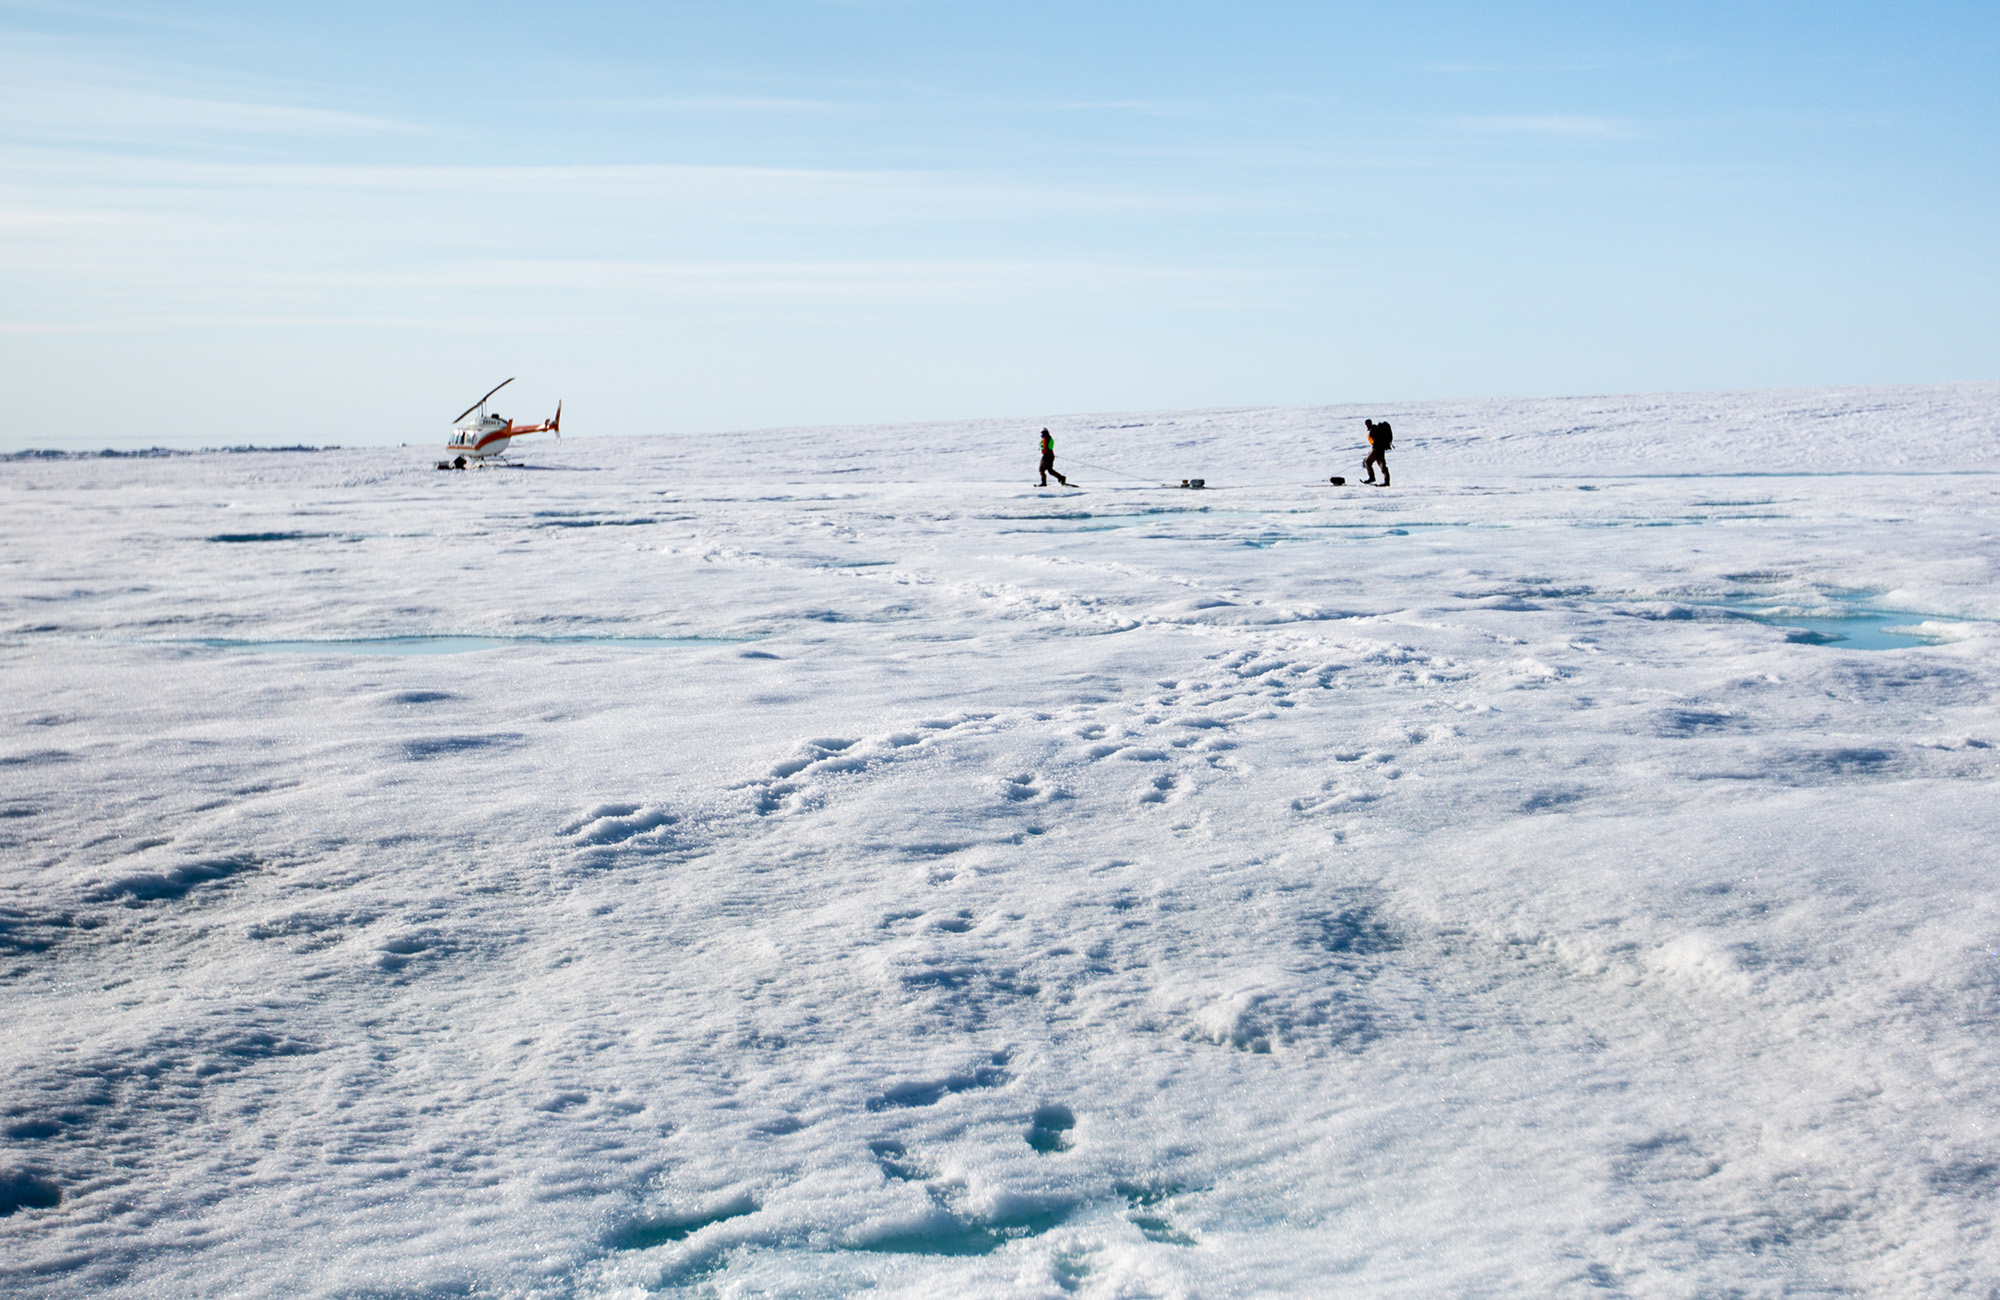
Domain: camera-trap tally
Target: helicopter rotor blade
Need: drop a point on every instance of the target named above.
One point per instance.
(482, 401)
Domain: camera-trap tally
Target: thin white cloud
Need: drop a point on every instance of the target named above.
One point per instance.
(710, 104)
(52, 96)
(48, 327)
(542, 294)
(125, 15)
(116, 244)
(850, 280)
(1510, 68)
(26, 221)
(130, 115)
(1142, 107)
(1570, 126)
(834, 107)
(82, 181)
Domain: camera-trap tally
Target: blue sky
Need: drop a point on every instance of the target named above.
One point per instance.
(228, 223)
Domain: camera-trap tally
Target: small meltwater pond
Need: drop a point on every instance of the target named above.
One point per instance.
(454, 645)
(1869, 630)
(1857, 627)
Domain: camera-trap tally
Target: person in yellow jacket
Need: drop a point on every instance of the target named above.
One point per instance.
(1049, 461)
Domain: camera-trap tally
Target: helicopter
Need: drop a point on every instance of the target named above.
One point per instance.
(484, 439)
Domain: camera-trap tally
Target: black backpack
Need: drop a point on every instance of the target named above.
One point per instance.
(1382, 431)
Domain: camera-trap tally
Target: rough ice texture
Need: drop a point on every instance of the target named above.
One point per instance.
(1132, 892)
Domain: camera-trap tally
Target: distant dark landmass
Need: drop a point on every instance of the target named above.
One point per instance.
(112, 453)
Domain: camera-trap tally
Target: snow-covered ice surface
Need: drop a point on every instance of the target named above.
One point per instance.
(824, 863)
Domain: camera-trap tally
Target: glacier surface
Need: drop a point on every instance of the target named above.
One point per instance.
(810, 862)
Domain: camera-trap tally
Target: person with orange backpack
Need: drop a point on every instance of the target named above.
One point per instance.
(1379, 438)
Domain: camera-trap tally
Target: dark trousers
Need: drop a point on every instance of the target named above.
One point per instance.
(1049, 467)
(1377, 456)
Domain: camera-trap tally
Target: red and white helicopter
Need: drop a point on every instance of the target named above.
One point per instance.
(478, 438)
